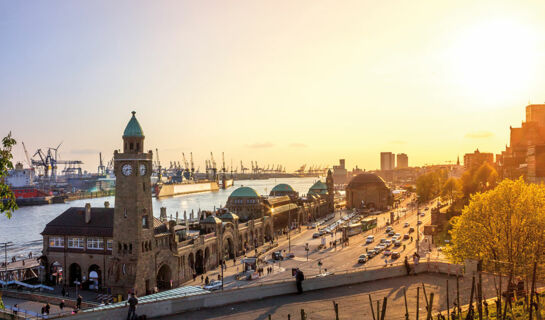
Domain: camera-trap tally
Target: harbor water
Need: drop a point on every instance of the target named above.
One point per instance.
(26, 224)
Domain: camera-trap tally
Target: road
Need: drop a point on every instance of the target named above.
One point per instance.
(334, 259)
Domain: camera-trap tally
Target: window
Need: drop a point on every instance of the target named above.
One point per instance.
(110, 244)
(95, 243)
(145, 222)
(76, 243)
(56, 242)
(131, 146)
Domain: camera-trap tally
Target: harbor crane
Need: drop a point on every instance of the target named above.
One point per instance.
(192, 166)
(26, 155)
(242, 168)
(101, 168)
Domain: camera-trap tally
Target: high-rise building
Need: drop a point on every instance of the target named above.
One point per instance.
(477, 158)
(387, 161)
(402, 161)
(340, 174)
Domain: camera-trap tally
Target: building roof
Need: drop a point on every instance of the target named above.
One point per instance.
(212, 220)
(133, 128)
(72, 222)
(244, 192)
(363, 179)
(229, 216)
(319, 187)
(283, 187)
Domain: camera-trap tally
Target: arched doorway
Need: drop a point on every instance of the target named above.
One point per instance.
(199, 262)
(95, 275)
(191, 261)
(56, 272)
(74, 274)
(228, 248)
(164, 277)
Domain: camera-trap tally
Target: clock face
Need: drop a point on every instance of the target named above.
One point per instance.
(126, 169)
(142, 169)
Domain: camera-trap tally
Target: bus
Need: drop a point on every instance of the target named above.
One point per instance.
(354, 229)
(368, 223)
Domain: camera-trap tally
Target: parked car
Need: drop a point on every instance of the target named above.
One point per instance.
(394, 255)
(213, 285)
(363, 258)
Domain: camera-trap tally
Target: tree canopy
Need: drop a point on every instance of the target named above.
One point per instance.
(7, 205)
(428, 185)
(504, 224)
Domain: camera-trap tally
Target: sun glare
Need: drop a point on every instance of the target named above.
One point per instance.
(494, 58)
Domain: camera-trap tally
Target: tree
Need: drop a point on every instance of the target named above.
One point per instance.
(505, 224)
(7, 205)
(451, 190)
(479, 179)
(429, 184)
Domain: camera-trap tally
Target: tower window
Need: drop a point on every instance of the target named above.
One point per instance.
(131, 146)
(130, 247)
(145, 221)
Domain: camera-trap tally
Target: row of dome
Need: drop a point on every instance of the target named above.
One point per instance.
(317, 188)
(246, 192)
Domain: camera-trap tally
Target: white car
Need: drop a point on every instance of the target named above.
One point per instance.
(213, 285)
(370, 239)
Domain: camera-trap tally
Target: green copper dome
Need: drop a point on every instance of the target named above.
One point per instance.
(282, 187)
(133, 128)
(319, 188)
(245, 192)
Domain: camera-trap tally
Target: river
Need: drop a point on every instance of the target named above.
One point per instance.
(26, 224)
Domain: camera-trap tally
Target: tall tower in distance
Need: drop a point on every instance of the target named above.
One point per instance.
(132, 267)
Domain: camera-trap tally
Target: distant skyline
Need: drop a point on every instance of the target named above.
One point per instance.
(283, 82)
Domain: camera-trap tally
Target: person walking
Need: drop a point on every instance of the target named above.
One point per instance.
(47, 308)
(299, 277)
(61, 305)
(202, 278)
(133, 301)
(78, 302)
(63, 292)
(206, 281)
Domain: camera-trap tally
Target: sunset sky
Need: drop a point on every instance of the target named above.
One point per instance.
(284, 82)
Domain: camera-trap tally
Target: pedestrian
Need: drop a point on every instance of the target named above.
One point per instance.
(299, 277)
(219, 277)
(206, 281)
(47, 308)
(194, 276)
(30, 255)
(78, 302)
(407, 266)
(63, 292)
(42, 311)
(234, 261)
(202, 278)
(15, 309)
(61, 305)
(133, 301)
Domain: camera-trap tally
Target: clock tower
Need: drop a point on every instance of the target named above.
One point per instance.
(132, 266)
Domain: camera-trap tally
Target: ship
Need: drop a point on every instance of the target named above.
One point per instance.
(26, 191)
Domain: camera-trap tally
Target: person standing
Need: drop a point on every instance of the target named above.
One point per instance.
(61, 305)
(78, 302)
(47, 308)
(63, 292)
(133, 301)
(206, 281)
(299, 277)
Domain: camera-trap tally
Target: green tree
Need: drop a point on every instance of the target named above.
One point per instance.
(451, 190)
(504, 224)
(429, 185)
(7, 205)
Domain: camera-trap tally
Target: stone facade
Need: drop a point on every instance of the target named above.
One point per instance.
(368, 191)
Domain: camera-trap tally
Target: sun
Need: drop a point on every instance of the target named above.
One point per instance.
(494, 58)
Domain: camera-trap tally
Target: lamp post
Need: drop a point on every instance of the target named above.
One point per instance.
(417, 226)
(6, 244)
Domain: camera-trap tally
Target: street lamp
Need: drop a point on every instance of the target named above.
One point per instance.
(6, 244)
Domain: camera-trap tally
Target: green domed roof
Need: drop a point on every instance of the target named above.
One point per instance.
(282, 187)
(245, 192)
(211, 220)
(319, 187)
(229, 216)
(133, 128)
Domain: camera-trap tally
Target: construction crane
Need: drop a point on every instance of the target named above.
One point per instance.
(26, 155)
(242, 168)
(101, 168)
(223, 163)
(192, 166)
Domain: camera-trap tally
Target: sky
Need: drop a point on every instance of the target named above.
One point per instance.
(277, 82)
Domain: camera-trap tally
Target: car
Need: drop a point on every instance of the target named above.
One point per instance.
(391, 233)
(397, 235)
(316, 235)
(411, 229)
(406, 236)
(394, 255)
(427, 208)
(363, 258)
(397, 243)
(382, 240)
(388, 243)
(388, 229)
(387, 252)
(419, 222)
(406, 225)
(277, 255)
(213, 285)
(379, 248)
(423, 214)
(371, 253)
(370, 239)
